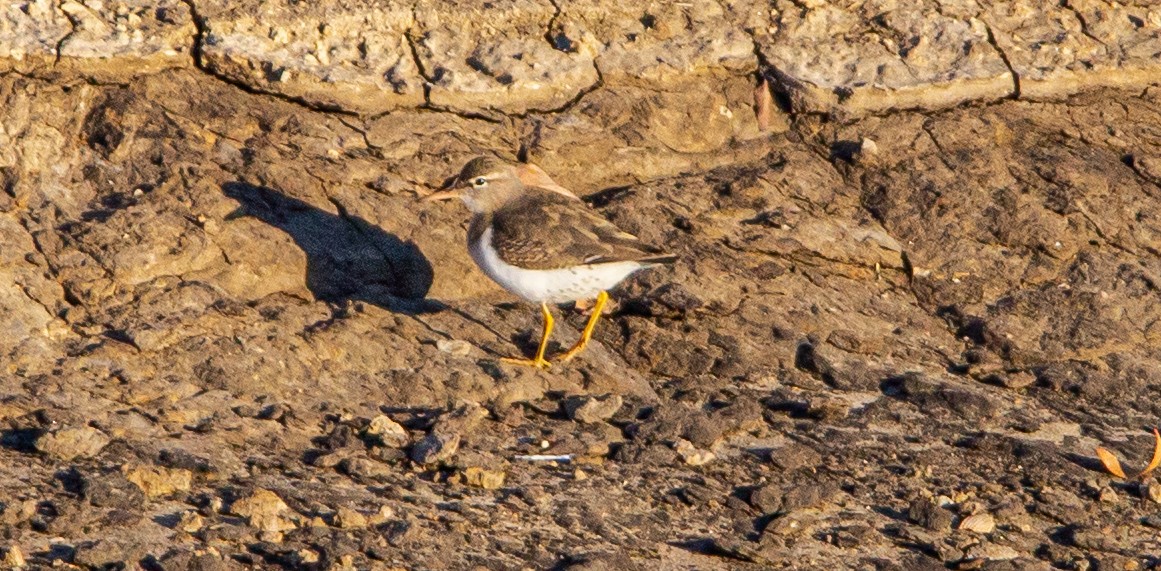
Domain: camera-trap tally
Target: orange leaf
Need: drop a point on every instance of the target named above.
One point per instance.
(1110, 462)
(763, 105)
(1156, 461)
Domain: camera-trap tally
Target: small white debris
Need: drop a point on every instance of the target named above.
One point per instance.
(454, 347)
(544, 457)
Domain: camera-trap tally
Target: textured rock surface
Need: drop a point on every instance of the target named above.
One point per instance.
(867, 57)
(232, 337)
(330, 54)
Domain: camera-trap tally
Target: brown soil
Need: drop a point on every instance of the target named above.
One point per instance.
(878, 328)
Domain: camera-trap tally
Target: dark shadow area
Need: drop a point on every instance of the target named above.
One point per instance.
(347, 258)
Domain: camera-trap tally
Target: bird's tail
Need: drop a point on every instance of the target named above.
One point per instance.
(659, 259)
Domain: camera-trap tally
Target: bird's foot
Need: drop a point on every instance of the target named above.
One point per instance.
(539, 363)
(576, 349)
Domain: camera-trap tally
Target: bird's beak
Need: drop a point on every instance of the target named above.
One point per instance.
(443, 195)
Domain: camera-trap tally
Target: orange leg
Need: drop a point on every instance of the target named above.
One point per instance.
(587, 334)
(539, 362)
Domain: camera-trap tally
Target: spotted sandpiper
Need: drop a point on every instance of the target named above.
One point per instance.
(543, 244)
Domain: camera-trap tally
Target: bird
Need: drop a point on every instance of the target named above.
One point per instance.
(543, 244)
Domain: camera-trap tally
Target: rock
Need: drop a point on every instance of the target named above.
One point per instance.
(106, 553)
(435, 448)
(191, 521)
(1017, 380)
(929, 514)
(849, 71)
(347, 518)
(17, 512)
(97, 41)
(979, 523)
(1069, 48)
(69, 443)
(592, 409)
(514, 71)
(363, 468)
(454, 347)
(991, 552)
(767, 499)
(157, 481)
(690, 454)
(483, 478)
(808, 496)
(356, 60)
(13, 557)
(795, 456)
(383, 431)
(112, 490)
(264, 510)
(443, 440)
(1153, 492)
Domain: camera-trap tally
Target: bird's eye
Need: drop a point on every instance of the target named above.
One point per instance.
(480, 181)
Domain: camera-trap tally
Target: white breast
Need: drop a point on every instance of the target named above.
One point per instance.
(552, 286)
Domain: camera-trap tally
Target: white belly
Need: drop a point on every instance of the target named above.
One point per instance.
(552, 286)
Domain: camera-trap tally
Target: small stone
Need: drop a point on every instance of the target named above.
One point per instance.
(13, 557)
(979, 523)
(69, 443)
(1107, 494)
(1153, 491)
(929, 514)
(483, 478)
(363, 468)
(157, 481)
(454, 347)
(382, 431)
(795, 456)
(1017, 380)
(435, 448)
(768, 499)
(191, 521)
(690, 454)
(111, 490)
(347, 518)
(384, 515)
(591, 409)
(263, 509)
(579, 475)
(990, 552)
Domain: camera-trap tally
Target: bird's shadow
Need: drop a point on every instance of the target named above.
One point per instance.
(347, 258)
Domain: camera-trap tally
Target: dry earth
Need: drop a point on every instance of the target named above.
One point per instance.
(919, 283)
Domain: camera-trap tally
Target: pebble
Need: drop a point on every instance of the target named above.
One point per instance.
(263, 509)
(1153, 491)
(592, 409)
(347, 518)
(692, 455)
(454, 347)
(13, 557)
(979, 523)
(382, 431)
(483, 478)
(69, 443)
(435, 448)
(929, 514)
(157, 481)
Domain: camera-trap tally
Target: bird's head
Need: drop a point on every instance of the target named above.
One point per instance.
(484, 184)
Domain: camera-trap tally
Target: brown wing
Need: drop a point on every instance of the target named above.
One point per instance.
(546, 230)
